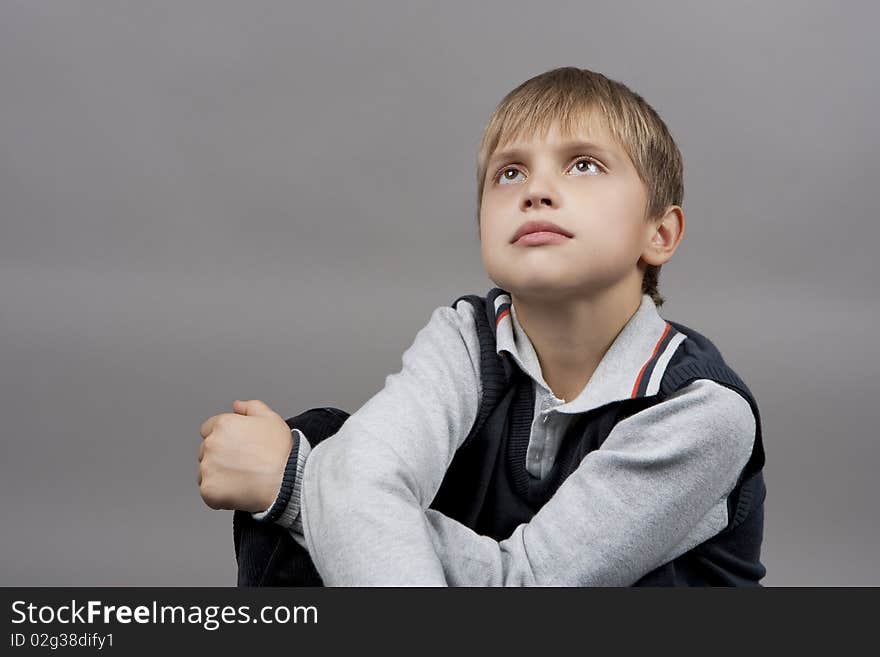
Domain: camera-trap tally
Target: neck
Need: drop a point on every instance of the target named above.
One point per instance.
(571, 333)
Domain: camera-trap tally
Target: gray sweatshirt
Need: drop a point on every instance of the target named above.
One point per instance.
(656, 487)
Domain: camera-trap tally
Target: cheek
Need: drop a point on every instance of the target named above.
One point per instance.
(615, 217)
(621, 240)
(493, 242)
(491, 223)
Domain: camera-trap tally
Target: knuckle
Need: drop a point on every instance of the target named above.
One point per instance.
(224, 422)
(208, 494)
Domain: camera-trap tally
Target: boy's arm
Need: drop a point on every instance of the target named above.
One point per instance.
(656, 487)
(365, 490)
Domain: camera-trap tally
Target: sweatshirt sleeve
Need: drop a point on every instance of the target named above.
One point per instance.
(285, 510)
(365, 491)
(655, 488)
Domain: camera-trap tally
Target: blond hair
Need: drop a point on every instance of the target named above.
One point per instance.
(568, 94)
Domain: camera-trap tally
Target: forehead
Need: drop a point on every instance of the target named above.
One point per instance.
(586, 131)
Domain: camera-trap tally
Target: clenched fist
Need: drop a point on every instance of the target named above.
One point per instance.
(243, 456)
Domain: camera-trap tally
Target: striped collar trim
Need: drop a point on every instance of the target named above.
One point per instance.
(632, 367)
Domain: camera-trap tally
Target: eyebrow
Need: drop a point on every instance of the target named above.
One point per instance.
(564, 148)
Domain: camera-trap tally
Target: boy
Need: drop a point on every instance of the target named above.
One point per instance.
(557, 431)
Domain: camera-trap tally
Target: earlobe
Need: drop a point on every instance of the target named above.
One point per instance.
(653, 255)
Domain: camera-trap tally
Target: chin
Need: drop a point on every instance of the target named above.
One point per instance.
(545, 286)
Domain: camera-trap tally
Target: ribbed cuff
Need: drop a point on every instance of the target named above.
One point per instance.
(285, 509)
(290, 516)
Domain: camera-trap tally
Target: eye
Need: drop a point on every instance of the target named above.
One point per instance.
(502, 175)
(588, 161)
(503, 178)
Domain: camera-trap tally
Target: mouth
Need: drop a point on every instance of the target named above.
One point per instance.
(543, 232)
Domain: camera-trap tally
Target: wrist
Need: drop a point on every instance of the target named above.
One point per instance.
(277, 496)
(291, 514)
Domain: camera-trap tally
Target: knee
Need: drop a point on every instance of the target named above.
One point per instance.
(318, 423)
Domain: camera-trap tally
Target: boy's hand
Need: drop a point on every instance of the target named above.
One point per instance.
(243, 456)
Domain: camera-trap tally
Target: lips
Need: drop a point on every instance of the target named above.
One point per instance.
(537, 227)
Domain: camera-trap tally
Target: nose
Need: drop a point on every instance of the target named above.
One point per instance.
(538, 193)
(538, 200)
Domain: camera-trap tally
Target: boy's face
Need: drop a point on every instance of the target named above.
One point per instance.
(594, 193)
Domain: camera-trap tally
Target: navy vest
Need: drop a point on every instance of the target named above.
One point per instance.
(488, 488)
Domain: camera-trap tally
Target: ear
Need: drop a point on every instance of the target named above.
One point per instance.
(663, 236)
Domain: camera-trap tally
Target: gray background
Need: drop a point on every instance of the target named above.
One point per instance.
(204, 201)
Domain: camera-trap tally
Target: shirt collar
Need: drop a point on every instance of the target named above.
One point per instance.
(632, 367)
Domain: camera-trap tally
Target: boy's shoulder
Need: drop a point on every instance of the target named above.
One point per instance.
(697, 356)
(699, 361)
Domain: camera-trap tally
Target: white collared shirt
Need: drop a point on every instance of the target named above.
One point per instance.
(613, 380)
